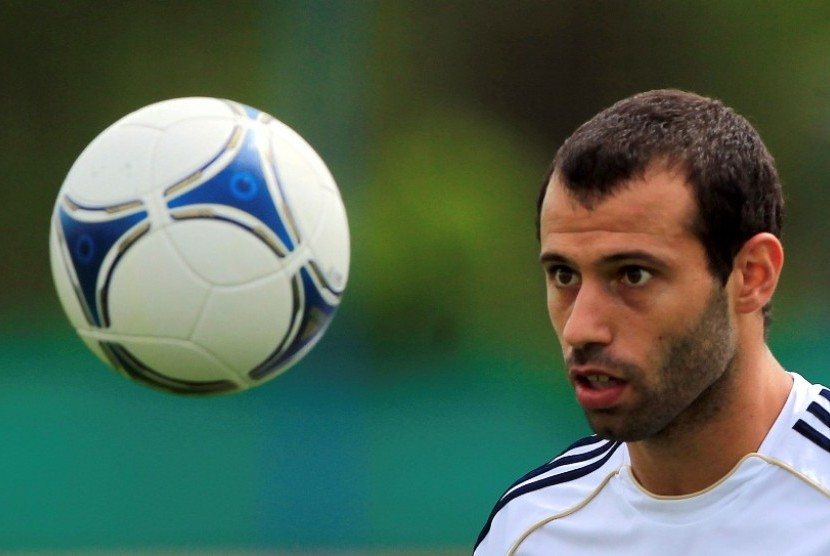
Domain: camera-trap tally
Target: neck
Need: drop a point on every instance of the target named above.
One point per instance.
(692, 454)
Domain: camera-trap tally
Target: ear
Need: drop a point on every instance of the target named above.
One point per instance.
(757, 269)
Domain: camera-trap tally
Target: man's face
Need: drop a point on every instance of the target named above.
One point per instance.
(645, 329)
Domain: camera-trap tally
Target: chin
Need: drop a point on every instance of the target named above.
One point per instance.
(623, 431)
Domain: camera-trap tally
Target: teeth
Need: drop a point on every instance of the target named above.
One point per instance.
(601, 381)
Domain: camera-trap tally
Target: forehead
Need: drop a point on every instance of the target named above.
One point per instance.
(654, 210)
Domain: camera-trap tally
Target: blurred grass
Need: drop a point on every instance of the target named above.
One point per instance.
(344, 450)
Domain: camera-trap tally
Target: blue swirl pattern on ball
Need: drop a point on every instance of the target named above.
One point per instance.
(88, 243)
(316, 317)
(241, 185)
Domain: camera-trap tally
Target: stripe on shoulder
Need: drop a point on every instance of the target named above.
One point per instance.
(816, 426)
(578, 460)
(581, 455)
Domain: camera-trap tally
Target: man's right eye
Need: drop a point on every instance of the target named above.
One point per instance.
(563, 277)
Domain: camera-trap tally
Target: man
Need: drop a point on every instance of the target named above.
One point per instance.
(659, 224)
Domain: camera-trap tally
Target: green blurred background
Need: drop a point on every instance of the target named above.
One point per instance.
(439, 381)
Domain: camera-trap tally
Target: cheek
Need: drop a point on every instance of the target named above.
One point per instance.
(557, 311)
(654, 338)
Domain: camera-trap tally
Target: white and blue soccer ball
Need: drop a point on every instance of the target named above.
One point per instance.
(199, 246)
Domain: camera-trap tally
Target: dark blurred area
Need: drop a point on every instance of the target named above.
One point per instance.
(439, 381)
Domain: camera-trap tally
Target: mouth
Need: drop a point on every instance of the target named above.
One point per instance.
(597, 381)
(597, 389)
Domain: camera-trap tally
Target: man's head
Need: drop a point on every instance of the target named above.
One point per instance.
(732, 175)
(659, 233)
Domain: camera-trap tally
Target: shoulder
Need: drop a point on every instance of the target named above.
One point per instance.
(806, 444)
(558, 486)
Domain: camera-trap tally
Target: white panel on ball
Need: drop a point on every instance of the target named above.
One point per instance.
(266, 307)
(154, 292)
(182, 361)
(222, 253)
(163, 114)
(182, 149)
(319, 211)
(331, 249)
(117, 167)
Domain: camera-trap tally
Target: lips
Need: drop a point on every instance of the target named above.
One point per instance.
(597, 389)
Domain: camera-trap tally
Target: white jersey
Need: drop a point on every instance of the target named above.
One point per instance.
(586, 501)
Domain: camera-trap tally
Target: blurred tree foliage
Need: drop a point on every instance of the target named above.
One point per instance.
(437, 118)
(71, 69)
(531, 71)
(445, 239)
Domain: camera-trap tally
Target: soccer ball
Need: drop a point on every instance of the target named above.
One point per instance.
(199, 246)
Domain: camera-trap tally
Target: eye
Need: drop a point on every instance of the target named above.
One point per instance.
(635, 276)
(563, 277)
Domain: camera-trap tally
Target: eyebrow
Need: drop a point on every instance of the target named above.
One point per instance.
(634, 255)
(554, 258)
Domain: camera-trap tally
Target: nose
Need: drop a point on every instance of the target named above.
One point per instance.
(588, 321)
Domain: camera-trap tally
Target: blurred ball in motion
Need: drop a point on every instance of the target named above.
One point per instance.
(199, 246)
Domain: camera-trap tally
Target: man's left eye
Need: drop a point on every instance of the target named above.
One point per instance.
(636, 276)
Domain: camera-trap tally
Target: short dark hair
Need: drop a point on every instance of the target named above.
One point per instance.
(732, 174)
